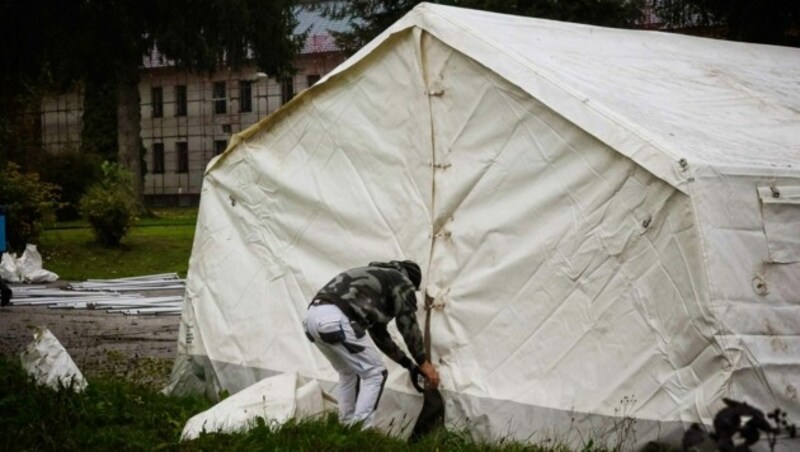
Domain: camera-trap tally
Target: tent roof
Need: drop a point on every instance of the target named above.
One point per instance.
(658, 98)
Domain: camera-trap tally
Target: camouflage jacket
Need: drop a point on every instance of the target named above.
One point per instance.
(370, 297)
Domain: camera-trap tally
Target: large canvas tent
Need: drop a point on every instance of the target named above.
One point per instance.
(608, 221)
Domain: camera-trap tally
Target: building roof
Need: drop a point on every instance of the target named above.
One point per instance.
(319, 38)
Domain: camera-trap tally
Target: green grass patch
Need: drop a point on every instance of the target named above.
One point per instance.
(114, 414)
(111, 414)
(158, 244)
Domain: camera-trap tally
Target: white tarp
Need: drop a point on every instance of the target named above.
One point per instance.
(8, 268)
(27, 268)
(275, 400)
(584, 203)
(49, 363)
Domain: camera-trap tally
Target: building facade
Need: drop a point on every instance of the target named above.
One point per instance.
(188, 118)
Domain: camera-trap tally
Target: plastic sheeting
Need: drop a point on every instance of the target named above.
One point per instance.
(275, 400)
(8, 268)
(49, 363)
(584, 203)
(27, 268)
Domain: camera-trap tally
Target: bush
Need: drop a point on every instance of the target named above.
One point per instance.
(74, 172)
(29, 202)
(110, 206)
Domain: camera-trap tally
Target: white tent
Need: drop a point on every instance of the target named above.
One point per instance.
(608, 221)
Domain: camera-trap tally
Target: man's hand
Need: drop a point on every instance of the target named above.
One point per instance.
(430, 374)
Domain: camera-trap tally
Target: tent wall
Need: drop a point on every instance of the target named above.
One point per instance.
(751, 225)
(341, 179)
(566, 277)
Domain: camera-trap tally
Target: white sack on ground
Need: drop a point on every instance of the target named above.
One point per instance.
(276, 399)
(29, 267)
(8, 268)
(49, 363)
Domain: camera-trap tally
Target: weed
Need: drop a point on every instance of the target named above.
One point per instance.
(111, 414)
(115, 414)
(738, 426)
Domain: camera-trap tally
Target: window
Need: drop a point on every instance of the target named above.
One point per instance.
(158, 158)
(311, 79)
(287, 89)
(245, 96)
(182, 149)
(219, 146)
(157, 102)
(220, 98)
(180, 100)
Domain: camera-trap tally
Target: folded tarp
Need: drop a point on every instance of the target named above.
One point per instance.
(276, 400)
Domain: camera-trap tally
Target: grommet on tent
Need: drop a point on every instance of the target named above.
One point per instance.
(443, 234)
(435, 89)
(760, 285)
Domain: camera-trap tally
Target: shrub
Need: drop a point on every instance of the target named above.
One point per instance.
(29, 202)
(110, 206)
(74, 172)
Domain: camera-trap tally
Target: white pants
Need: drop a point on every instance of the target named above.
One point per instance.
(362, 373)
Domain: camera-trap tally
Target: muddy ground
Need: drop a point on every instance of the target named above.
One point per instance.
(140, 348)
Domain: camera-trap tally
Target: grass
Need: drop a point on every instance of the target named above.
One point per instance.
(115, 414)
(158, 244)
(112, 414)
(122, 411)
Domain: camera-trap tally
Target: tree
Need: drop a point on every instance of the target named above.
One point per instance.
(200, 35)
(30, 204)
(102, 43)
(765, 22)
(368, 18)
(110, 205)
(32, 64)
(611, 13)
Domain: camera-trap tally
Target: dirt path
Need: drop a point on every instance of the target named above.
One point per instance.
(141, 348)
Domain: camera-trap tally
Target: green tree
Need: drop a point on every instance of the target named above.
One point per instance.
(368, 18)
(766, 22)
(30, 204)
(611, 13)
(200, 35)
(102, 43)
(31, 65)
(110, 205)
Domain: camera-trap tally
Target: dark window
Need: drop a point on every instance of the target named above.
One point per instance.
(245, 96)
(158, 158)
(157, 102)
(311, 79)
(220, 98)
(219, 146)
(182, 149)
(180, 100)
(287, 89)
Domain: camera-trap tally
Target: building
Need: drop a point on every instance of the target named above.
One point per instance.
(188, 118)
